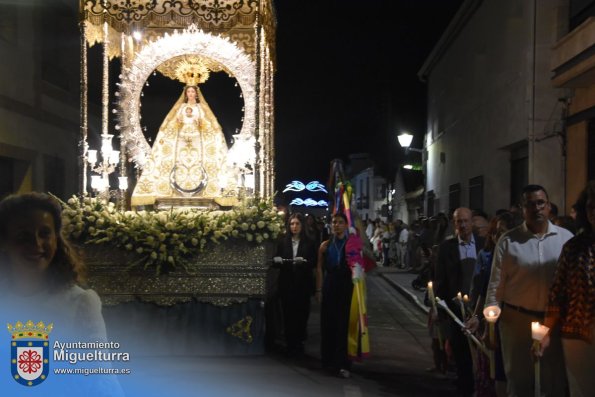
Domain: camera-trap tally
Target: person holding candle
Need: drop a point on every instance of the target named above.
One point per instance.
(296, 282)
(571, 303)
(454, 270)
(522, 270)
(498, 225)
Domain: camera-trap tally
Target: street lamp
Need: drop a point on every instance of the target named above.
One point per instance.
(405, 141)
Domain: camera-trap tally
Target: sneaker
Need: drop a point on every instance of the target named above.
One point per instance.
(345, 374)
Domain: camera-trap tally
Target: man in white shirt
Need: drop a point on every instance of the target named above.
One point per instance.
(402, 247)
(522, 270)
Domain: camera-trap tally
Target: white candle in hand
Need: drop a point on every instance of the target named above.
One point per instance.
(538, 331)
(460, 299)
(491, 313)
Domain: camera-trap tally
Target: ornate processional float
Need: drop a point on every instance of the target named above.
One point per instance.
(198, 239)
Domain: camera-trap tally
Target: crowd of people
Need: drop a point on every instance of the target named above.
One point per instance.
(526, 261)
(532, 266)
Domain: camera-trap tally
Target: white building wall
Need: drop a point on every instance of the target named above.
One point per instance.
(374, 183)
(481, 102)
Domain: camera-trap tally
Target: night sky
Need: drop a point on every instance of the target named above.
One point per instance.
(346, 82)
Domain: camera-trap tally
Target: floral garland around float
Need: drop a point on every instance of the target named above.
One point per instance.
(167, 239)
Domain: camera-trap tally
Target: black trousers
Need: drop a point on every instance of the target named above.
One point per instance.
(334, 319)
(463, 360)
(296, 310)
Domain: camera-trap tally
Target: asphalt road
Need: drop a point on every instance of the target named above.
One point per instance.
(400, 355)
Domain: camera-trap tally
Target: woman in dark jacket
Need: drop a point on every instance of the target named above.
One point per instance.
(296, 257)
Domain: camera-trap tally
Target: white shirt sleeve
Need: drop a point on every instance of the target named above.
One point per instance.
(497, 279)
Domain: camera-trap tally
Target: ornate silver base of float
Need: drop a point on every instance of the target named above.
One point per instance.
(216, 310)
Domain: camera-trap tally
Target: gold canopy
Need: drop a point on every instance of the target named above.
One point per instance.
(185, 40)
(235, 19)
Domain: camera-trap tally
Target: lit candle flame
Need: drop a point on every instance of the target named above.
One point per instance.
(534, 325)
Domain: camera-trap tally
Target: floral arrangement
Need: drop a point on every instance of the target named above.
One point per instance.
(167, 239)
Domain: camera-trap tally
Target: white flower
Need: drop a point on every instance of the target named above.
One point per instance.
(139, 250)
(249, 237)
(161, 217)
(153, 255)
(260, 224)
(259, 238)
(244, 226)
(128, 247)
(194, 241)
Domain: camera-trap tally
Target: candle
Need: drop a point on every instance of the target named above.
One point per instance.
(460, 299)
(491, 314)
(538, 331)
(469, 336)
(431, 293)
(432, 298)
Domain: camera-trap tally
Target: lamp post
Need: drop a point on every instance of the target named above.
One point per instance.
(405, 141)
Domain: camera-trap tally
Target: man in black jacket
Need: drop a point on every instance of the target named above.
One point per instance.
(454, 272)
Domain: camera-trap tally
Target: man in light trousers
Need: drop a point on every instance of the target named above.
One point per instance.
(523, 268)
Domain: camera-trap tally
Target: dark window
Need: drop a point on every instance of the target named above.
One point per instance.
(54, 171)
(454, 197)
(476, 193)
(591, 152)
(381, 191)
(430, 196)
(519, 172)
(579, 11)
(7, 180)
(58, 43)
(8, 23)
(367, 201)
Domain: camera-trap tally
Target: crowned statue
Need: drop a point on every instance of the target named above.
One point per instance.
(188, 157)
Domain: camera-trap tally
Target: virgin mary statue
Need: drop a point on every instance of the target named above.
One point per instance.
(188, 156)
